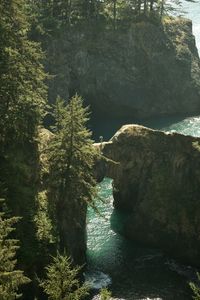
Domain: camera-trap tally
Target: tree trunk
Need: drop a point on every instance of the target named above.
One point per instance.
(114, 12)
(151, 5)
(139, 7)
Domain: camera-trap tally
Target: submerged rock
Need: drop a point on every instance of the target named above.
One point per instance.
(157, 181)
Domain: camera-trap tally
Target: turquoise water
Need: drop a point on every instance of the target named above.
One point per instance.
(131, 271)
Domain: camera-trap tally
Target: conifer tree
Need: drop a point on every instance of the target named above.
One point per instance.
(195, 288)
(22, 89)
(62, 282)
(22, 98)
(105, 294)
(10, 278)
(71, 161)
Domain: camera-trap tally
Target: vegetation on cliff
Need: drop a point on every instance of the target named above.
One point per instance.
(148, 54)
(46, 177)
(195, 288)
(30, 192)
(22, 99)
(62, 280)
(51, 16)
(71, 159)
(105, 294)
(10, 278)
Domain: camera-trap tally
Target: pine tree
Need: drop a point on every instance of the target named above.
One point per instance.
(10, 278)
(22, 100)
(105, 294)
(71, 161)
(22, 89)
(62, 282)
(195, 288)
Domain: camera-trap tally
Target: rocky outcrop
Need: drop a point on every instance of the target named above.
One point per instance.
(157, 181)
(149, 69)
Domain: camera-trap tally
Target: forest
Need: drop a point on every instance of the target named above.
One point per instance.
(47, 155)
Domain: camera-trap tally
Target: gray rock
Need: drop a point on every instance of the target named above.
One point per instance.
(157, 181)
(146, 70)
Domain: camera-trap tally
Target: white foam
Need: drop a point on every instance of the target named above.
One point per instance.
(97, 279)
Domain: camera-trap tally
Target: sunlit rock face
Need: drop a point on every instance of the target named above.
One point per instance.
(157, 181)
(148, 69)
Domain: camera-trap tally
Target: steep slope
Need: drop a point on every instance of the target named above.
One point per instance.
(148, 69)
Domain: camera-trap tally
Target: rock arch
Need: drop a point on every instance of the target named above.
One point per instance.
(157, 180)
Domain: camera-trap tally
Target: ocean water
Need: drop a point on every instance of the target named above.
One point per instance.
(192, 11)
(131, 271)
(128, 269)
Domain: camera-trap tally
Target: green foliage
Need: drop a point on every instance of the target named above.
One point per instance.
(195, 289)
(10, 278)
(51, 16)
(72, 152)
(71, 161)
(43, 222)
(22, 101)
(105, 294)
(62, 282)
(22, 91)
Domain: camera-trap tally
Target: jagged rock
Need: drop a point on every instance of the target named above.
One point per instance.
(157, 181)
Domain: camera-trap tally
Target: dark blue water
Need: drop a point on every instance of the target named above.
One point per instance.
(130, 270)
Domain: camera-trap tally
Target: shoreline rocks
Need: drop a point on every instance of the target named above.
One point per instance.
(157, 182)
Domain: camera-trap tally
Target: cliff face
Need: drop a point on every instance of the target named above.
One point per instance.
(146, 70)
(158, 183)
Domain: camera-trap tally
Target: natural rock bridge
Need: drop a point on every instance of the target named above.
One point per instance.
(157, 180)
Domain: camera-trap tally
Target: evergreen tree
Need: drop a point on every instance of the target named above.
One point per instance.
(10, 278)
(105, 294)
(195, 288)
(71, 161)
(22, 100)
(62, 282)
(22, 91)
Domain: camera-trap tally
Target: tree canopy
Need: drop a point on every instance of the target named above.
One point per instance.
(10, 278)
(62, 280)
(22, 89)
(71, 160)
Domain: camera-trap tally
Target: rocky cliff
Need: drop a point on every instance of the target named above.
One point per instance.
(157, 181)
(148, 69)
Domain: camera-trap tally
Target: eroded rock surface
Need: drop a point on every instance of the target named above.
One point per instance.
(157, 181)
(148, 69)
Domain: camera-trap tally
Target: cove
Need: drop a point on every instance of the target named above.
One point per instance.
(135, 272)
